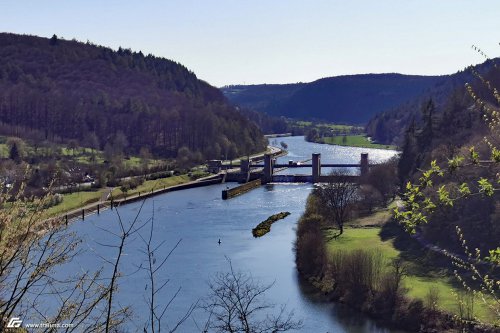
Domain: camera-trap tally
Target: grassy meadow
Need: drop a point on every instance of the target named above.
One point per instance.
(355, 141)
(421, 276)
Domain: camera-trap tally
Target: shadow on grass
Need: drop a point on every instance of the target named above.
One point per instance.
(421, 261)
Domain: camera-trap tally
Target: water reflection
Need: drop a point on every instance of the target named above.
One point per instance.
(300, 150)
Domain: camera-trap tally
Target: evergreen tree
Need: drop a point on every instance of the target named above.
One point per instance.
(16, 149)
(54, 40)
(408, 157)
(14, 153)
(426, 133)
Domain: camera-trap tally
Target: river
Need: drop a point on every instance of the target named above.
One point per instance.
(199, 218)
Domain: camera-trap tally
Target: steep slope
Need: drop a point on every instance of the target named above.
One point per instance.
(56, 90)
(445, 132)
(389, 126)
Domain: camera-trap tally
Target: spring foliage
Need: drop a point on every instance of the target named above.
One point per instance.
(471, 173)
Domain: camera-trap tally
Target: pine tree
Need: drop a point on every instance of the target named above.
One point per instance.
(54, 40)
(14, 153)
(426, 133)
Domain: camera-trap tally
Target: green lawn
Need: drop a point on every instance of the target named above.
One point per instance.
(76, 200)
(363, 238)
(156, 184)
(302, 123)
(4, 150)
(73, 201)
(355, 141)
(418, 285)
(340, 127)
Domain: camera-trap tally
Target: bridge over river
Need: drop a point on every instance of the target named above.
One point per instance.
(254, 175)
(267, 170)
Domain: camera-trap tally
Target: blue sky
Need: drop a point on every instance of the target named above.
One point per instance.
(276, 41)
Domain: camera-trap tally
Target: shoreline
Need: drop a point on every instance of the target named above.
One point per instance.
(366, 240)
(88, 209)
(394, 148)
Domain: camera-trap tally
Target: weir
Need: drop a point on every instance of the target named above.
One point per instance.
(270, 165)
(264, 173)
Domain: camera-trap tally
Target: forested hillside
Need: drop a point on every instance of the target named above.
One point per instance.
(389, 127)
(355, 99)
(55, 90)
(350, 99)
(267, 98)
(441, 133)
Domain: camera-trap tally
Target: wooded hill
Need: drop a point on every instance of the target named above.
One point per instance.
(441, 133)
(353, 99)
(266, 98)
(55, 90)
(389, 127)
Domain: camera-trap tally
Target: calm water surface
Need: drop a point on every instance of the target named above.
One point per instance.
(199, 218)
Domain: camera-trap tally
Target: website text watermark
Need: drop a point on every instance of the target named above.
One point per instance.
(16, 322)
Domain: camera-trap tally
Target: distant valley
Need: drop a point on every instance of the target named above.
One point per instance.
(353, 99)
(384, 103)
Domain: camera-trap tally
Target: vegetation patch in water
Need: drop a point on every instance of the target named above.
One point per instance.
(265, 226)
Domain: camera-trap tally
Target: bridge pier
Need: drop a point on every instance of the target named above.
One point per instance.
(268, 169)
(364, 166)
(245, 169)
(244, 165)
(316, 167)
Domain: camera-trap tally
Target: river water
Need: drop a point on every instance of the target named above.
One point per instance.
(199, 218)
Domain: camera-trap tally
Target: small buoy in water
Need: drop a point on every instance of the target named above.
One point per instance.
(219, 241)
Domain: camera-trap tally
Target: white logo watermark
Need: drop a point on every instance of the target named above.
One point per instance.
(14, 322)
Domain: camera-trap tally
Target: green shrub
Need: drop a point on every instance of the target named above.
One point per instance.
(310, 254)
(265, 226)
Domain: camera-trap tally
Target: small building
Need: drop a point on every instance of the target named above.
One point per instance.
(214, 166)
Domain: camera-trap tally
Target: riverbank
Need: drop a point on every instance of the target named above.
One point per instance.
(91, 201)
(378, 269)
(274, 151)
(281, 135)
(361, 141)
(97, 206)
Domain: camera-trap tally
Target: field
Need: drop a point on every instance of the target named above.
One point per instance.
(337, 127)
(73, 201)
(355, 141)
(421, 278)
(151, 185)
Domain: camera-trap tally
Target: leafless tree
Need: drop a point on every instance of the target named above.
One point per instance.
(32, 252)
(236, 304)
(337, 197)
(152, 265)
(392, 287)
(31, 249)
(125, 232)
(383, 179)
